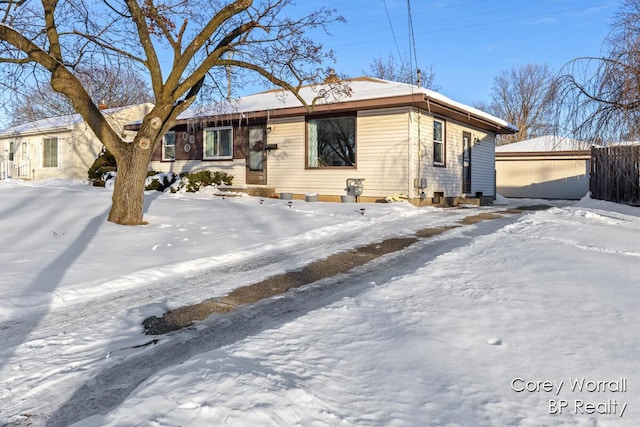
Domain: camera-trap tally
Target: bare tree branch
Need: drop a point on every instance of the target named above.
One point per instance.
(209, 40)
(601, 96)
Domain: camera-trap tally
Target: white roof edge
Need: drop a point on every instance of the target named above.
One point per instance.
(545, 143)
(56, 123)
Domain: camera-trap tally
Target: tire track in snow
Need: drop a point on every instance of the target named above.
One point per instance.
(68, 330)
(110, 387)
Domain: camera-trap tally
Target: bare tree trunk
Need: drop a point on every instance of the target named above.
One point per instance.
(128, 194)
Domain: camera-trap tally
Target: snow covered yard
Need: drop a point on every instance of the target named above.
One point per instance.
(497, 323)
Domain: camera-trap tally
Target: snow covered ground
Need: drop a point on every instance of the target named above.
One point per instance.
(523, 320)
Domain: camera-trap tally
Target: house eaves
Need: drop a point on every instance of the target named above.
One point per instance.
(418, 99)
(367, 94)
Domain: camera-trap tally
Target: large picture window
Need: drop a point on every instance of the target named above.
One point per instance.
(438, 142)
(332, 142)
(50, 152)
(169, 146)
(218, 143)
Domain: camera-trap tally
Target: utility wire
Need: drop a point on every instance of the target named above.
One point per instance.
(395, 39)
(413, 53)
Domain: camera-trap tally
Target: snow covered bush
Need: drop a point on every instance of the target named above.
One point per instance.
(104, 163)
(108, 179)
(168, 181)
(193, 181)
(159, 181)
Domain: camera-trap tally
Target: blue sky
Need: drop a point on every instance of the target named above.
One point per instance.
(468, 42)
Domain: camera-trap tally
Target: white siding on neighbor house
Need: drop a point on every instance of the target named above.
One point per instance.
(86, 147)
(64, 170)
(543, 177)
(22, 164)
(78, 146)
(32, 158)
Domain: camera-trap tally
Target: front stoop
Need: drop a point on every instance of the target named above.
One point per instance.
(267, 192)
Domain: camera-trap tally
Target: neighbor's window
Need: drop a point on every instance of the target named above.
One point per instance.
(218, 143)
(332, 142)
(169, 146)
(438, 142)
(50, 152)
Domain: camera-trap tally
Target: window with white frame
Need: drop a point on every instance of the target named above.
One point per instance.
(12, 148)
(438, 142)
(218, 143)
(169, 146)
(50, 152)
(331, 142)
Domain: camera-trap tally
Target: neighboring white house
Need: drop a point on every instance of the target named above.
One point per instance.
(398, 138)
(59, 147)
(548, 167)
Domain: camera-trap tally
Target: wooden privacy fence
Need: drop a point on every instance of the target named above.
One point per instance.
(615, 174)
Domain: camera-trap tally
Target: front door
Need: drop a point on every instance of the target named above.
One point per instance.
(466, 162)
(257, 158)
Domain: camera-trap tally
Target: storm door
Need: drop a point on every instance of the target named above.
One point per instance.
(466, 162)
(257, 158)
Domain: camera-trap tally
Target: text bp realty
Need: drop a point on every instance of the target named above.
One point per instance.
(576, 385)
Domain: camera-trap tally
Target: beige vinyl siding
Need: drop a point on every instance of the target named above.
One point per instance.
(382, 145)
(540, 177)
(383, 151)
(448, 179)
(286, 165)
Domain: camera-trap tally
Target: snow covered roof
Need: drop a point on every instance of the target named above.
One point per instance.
(362, 89)
(44, 125)
(51, 124)
(544, 143)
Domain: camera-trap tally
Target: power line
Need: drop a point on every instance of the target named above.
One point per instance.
(483, 23)
(395, 39)
(413, 53)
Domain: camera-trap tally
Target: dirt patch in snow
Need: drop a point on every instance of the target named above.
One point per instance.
(336, 264)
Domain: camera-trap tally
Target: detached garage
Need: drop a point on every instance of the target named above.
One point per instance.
(548, 167)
